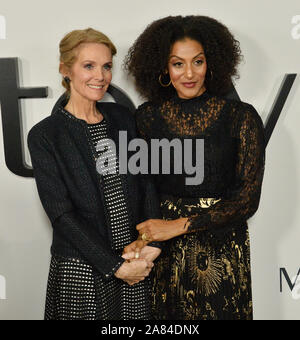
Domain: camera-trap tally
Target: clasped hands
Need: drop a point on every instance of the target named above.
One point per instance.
(139, 256)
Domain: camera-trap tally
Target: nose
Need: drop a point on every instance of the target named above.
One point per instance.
(99, 74)
(189, 71)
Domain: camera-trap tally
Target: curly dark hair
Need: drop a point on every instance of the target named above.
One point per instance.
(148, 58)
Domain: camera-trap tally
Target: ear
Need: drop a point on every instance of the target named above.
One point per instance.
(63, 69)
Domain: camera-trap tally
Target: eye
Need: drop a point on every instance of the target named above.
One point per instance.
(107, 67)
(178, 64)
(199, 62)
(88, 66)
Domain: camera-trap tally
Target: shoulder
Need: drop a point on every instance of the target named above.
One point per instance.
(47, 131)
(246, 119)
(119, 117)
(38, 135)
(115, 109)
(43, 128)
(117, 112)
(145, 111)
(248, 112)
(240, 110)
(146, 107)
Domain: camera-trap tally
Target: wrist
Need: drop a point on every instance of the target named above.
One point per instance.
(182, 225)
(120, 272)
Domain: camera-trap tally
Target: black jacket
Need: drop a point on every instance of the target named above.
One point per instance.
(70, 187)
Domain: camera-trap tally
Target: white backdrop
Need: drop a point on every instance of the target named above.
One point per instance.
(269, 32)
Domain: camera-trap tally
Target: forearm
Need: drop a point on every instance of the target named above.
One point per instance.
(162, 230)
(180, 226)
(88, 243)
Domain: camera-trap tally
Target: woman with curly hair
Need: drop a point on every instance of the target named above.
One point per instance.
(184, 67)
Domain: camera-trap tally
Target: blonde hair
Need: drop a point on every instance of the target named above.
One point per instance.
(68, 47)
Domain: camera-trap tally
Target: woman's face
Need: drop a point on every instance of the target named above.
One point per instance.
(90, 74)
(187, 68)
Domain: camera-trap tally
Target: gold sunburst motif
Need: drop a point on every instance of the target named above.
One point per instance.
(207, 270)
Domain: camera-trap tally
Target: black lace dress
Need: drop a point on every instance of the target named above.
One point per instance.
(205, 274)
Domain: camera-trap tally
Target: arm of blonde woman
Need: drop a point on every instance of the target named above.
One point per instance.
(62, 212)
(134, 271)
(139, 249)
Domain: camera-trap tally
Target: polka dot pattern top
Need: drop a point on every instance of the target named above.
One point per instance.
(116, 205)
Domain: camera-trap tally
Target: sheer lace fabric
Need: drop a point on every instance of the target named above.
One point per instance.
(205, 274)
(233, 158)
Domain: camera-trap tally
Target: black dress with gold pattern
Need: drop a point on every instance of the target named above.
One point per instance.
(205, 274)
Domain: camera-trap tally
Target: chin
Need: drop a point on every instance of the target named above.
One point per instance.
(95, 98)
(189, 94)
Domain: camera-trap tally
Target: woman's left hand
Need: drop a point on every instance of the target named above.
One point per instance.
(147, 253)
(161, 230)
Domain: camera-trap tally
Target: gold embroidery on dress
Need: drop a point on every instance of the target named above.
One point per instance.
(203, 203)
(206, 274)
(206, 270)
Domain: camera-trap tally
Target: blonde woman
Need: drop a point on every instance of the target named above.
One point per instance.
(93, 215)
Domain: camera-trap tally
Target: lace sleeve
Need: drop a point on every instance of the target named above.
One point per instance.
(242, 201)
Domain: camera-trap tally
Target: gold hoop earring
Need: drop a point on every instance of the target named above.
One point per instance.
(164, 85)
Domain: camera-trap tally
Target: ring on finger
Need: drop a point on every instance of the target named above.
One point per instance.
(145, 237)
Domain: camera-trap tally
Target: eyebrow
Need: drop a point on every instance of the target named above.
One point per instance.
(93, 61)
(175, 56)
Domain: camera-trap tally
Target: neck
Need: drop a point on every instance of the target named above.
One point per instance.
(84, 109)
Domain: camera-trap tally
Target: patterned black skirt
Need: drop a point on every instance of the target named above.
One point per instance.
(76, 292)
(201, 277)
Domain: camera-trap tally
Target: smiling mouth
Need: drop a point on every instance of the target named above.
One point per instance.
(189, 85)
(96, 87)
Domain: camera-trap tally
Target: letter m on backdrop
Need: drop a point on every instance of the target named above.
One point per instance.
(287, 278)
(2, 288)
(2, 27)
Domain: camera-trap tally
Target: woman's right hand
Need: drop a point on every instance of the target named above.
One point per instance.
(134, 270)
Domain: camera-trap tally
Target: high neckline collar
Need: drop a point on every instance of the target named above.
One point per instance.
(202, 96)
